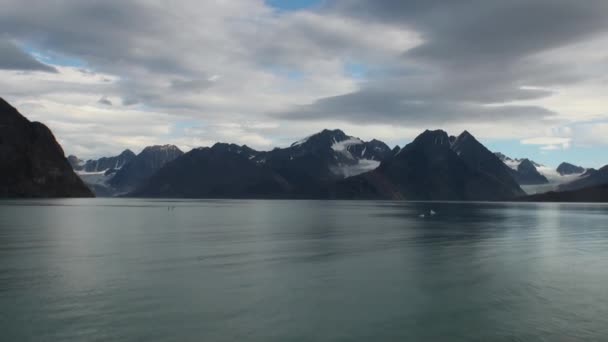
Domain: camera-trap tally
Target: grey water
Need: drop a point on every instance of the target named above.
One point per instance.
(154, 270)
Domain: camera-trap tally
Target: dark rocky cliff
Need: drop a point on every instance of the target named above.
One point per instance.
(32, 163)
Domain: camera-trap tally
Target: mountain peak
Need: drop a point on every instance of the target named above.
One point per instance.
(325, 137)
(170, 149)
(465, 135)
(127, 153)
(569, 169)
(331, 131)
(4, 104)
(433, 137)
(32, 163)
(233, 148)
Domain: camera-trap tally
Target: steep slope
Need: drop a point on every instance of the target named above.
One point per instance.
(598, 193)
(32, 163)
(480, 159)
(429, 169)
(222, 171)
(144, 165)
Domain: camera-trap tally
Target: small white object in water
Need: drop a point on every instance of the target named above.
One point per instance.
(433, 212)
(422, 215)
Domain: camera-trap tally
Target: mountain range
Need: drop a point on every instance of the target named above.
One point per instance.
(435, 166)
(327, 165)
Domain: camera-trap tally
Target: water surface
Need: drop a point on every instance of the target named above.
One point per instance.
(126, 270)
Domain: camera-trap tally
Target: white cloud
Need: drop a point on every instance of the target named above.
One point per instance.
(549, 143)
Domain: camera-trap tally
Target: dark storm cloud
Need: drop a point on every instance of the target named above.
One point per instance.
(13, 58)
(474, 52)
(369, 107)
(111, 35)
(469, 32)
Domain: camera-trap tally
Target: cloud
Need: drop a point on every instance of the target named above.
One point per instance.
(104, 101)
(549, 143)
(241, 71)
(13, 58)
(370, 106)
(473, 54)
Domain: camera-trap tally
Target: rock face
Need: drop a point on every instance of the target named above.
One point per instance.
(480, 159)
(32, 163)
(591, 178)
(102, 164)
(569, 169)
(598, 193)
(144, 165)
(434, 167)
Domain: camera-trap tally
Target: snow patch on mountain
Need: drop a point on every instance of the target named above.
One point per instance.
(342, 146)
(300, 142)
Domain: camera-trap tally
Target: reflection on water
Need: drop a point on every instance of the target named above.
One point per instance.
(123, 270)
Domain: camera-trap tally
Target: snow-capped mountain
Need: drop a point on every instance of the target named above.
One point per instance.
(589, 178)
(327, 155)
(109, 176)
(101, 165)
(525, 171)
(537, 178)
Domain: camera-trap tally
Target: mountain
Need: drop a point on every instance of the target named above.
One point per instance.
(527, 174)
(144, 165)
(97, 173)
(302, 170)
(330, 155)
(598, 193)
(513, 163)
(32, 163)
(434, 167)
(569, 169)
(590, 178)
(220, 171)
(525, 171)
(102, 164)
(480, 159)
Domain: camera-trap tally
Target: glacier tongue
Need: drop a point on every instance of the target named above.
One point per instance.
(362, 166)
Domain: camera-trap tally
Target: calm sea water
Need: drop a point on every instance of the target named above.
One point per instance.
(135, 270)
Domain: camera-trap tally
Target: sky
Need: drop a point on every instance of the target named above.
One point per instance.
(528, 78)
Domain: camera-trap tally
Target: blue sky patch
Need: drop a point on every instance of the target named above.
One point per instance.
(293, 5)
(51, 58)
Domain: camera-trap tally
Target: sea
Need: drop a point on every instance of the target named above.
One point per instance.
(297, 270)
